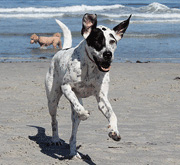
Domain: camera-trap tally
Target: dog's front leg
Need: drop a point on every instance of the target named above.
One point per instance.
(78, 108)
(75, 123)
(105, 107)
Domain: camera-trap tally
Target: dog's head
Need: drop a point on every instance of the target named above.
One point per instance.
(57, 35)
(34, 39)
(102, 41)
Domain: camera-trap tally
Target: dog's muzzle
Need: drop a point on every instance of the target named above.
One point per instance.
(32, 41)
(104, 64)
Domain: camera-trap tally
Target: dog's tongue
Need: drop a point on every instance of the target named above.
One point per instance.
(106, 69)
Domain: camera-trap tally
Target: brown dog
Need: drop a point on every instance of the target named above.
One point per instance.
(47, 41)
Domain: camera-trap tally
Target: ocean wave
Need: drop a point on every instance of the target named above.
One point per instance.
(151, 8)
(66, 9)
(37, 15)
(148, 21)
(155, 7)
(158, 8)
(51, 12)
(154, 11)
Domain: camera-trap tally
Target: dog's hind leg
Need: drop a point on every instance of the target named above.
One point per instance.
(53, 104)
(75, 123)
(53, 95)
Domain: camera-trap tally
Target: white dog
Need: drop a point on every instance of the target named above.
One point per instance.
(81, 72)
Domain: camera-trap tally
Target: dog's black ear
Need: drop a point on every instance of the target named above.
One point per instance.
(89, 22)
(121, 28)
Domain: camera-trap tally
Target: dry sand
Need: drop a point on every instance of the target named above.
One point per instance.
(145, 98)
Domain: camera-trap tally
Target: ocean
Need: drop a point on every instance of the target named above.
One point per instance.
(153, 34)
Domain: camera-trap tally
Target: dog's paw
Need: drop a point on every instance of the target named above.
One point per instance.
(75, 156)
(84, 115)
(114, 135)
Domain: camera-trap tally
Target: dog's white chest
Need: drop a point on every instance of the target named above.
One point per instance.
(88, 83)
(86, 87)
(84, 90)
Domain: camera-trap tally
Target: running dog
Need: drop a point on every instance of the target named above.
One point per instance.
(47, 41)
(81, 72)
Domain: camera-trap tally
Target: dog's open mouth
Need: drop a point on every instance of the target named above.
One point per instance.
(103, 66)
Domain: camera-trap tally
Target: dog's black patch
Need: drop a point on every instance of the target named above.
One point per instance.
(96, 39)
(111, 35)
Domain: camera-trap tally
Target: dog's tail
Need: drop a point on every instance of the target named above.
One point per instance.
(67, 35)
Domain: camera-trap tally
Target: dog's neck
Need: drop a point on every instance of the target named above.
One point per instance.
(88, 55)
(86, 59)
(82, 49)
(89, 66)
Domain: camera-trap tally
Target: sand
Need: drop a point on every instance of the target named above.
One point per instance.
(145, 98)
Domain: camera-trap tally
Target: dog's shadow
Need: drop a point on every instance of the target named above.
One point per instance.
(57, 152)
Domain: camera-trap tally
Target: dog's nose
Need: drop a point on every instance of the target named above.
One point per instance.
(107, 55)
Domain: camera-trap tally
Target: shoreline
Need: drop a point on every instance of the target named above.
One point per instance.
(44, 59)
(145, 98)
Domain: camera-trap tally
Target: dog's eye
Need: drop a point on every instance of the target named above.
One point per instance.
(112, 42)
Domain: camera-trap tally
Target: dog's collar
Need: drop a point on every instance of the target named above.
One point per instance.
(88, 56)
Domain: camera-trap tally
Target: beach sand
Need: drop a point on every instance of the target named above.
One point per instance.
(145, 98)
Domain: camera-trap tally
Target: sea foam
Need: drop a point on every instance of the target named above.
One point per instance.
(154, 12)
